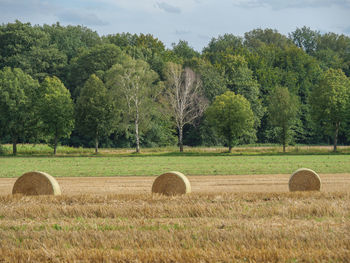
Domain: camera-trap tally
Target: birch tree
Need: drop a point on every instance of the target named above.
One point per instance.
(185, 97)
(133, 84)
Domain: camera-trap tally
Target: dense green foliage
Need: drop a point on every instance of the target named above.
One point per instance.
(330, 102)
(96, 111)
(18, 95)
(132, 83)
(232, 117)
(282, 109)
(305, 62)
(56, 110)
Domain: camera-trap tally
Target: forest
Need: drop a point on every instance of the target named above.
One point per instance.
(67, 85)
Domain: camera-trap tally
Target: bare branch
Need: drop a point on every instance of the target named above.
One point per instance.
(185, 96)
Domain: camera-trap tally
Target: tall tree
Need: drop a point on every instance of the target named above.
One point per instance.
(69, 39)
(259, 37)
(96, 60)
(329, 102)
(18, 95)
(227, 43)
(213, 80)
(306, 39)
(96, 111)
(56, 110)
(183, 50)
(29, 48)
(240, 80)
(289, 67)
(282, 111)
(144, 47)
(148, 41)
(41, 62)
(333, 51)
(16, 39)
(231, 116)
(185, 96)
(134, 83)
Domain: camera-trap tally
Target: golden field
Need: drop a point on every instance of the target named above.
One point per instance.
(213, 224)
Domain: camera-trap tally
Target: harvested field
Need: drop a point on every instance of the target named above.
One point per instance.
(199, 227)
(200, 184)
(238, 218)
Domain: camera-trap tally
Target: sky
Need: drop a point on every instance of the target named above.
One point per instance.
(196, 21)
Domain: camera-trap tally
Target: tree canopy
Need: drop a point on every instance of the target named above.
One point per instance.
(96, 111)
(282, 108)
(314, 67)
(330, 100)
(56, 110)
(18, 95)
(231, 116)
(133, 81)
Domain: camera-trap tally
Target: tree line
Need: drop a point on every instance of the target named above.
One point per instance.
(68, 85)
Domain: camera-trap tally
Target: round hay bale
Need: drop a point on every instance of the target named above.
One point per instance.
(36, 183)
(304, 179)
(171, 183)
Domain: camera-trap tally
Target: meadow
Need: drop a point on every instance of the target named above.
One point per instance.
(149, 165)
(82, 162)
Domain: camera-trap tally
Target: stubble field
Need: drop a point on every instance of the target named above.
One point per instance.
(243, 217)
(200, 184)
(200, 227)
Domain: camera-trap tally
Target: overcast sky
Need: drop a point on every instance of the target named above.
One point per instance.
(196, 21)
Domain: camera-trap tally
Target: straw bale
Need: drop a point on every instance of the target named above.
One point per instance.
(36, 183)
(304, 179)
(171, 183)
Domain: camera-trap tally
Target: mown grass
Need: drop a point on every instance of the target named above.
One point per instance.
(191, 165)
(241, 227)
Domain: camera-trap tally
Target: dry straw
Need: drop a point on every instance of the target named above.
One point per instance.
(304, 179)
(36, 183)
(171, 183)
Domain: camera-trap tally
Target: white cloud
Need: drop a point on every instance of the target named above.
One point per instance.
(168, 8)
(282, 4)
(197, 23)
(156, 5)
(81, 18)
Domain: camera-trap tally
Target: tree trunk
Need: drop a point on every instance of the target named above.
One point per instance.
(284, 135)
(229, 142)
(96, 144)
(55, 145)
(137, 132)
(336, 136)
(180, 139)
(14, 146)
